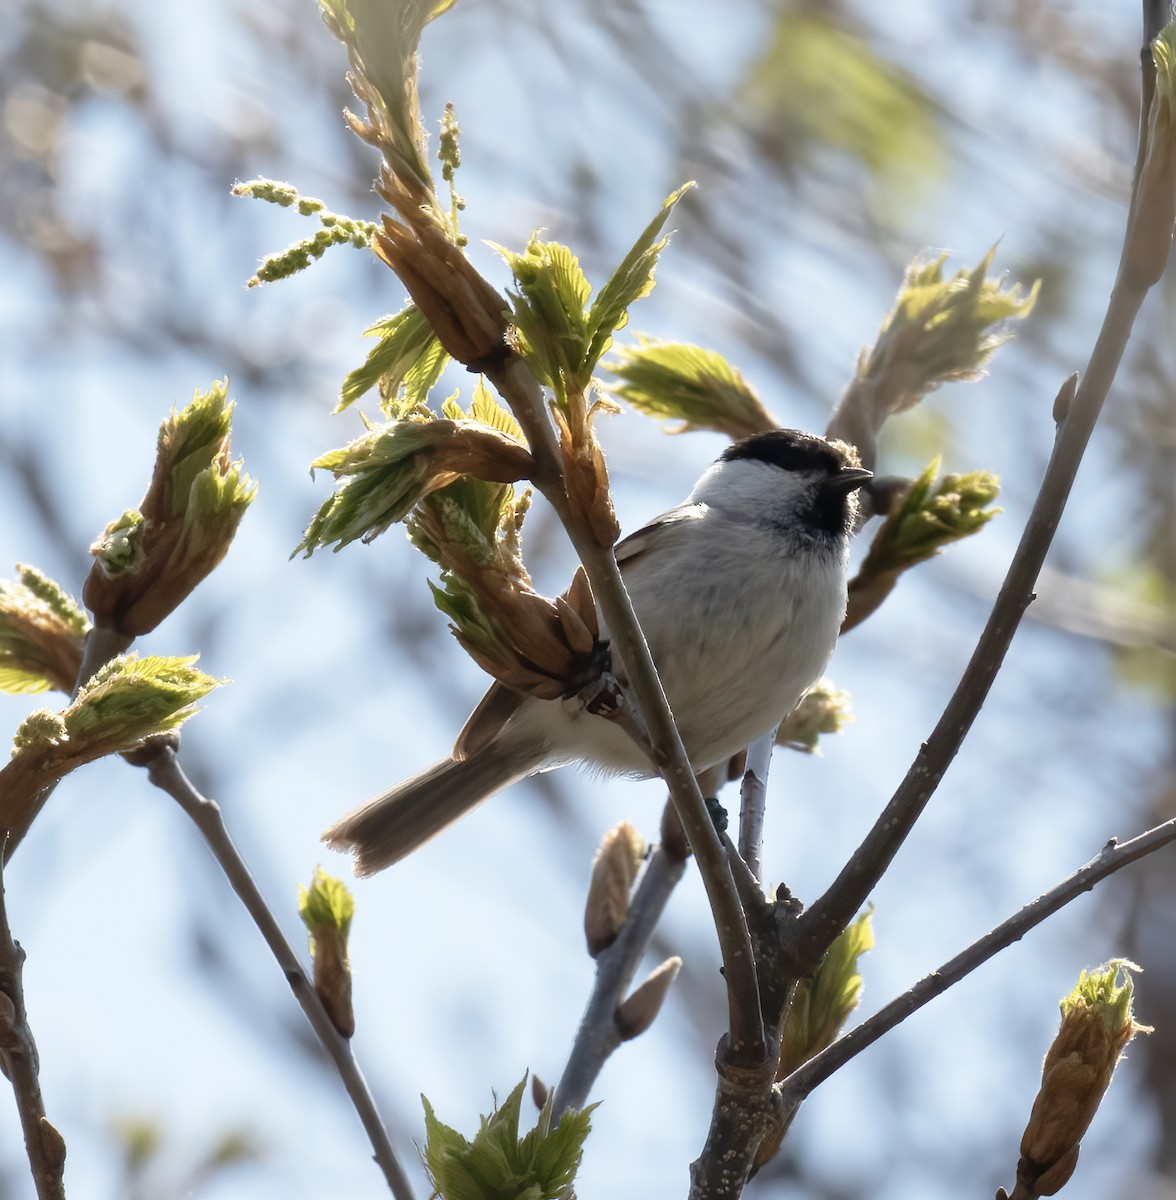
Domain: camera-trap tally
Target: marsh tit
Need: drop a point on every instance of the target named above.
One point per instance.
(740, 591)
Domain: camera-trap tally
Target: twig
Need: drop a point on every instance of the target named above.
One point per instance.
(598, 1035)
(18, 1054)
(165, 772)
(818, 927)
(753, 797)
(1113, 857)
(101, 645)
(745, 1043)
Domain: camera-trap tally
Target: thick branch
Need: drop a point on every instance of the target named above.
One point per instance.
(1113, 857)
(746, 1041)
(165, 772)
(598, 1035)
(18, 1052)
(832, 912)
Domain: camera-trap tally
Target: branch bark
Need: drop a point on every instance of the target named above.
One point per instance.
(1113, 857)
(745, 1043)
(165, 772)
(44, 1145)
(598, 1035)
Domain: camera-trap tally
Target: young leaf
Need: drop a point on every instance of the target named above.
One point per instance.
(408, 358)
(699, 388)
(630, 281)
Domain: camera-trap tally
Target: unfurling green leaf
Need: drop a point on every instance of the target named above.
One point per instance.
(42, 630)
(938, 331)
(128, 699)
(822, 710)
(931, 515)
(680, 382)
(150, 558)
(562, 337)
(327, 902)
(406, 363)
(326, 909)
(820, 1005)
(499, 1164)
(125, 701)
(1097, 1023)
(632, 280)
(393, 467)
(817, 1009)
(382, 40)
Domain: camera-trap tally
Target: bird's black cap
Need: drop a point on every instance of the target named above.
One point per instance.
(789, 449)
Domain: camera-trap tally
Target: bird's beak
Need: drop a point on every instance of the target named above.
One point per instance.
(849, 478)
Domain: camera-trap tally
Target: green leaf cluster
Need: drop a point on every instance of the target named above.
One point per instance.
(499, 1164)
(405, 364)
(128, 699)
(382, 40)
(394, 466)
(1106, 992)
(149, 559)
(327, 903)
(685, 383)
(931, 515)
(820, 1005)
(822, 710)
(383, 481)
(473, 522)
(132, 697)
(940, 330)
(42, 629)
(561, 335)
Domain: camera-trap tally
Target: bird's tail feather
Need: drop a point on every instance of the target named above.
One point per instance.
(393, 824)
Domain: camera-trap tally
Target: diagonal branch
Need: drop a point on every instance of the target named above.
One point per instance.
(1076, 413)
(18, 1054)
(746, 1043)
(1113, 857)
(164, 771)
(598, 1035)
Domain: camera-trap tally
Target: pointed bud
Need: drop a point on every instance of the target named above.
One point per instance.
(1097, 1023)
(42, 632)
(125, 701)
(817, 1010)
(150, 559)
(326, 909)
(1153, 210)
(614, 869)
(638, 1011)
(539, 1091)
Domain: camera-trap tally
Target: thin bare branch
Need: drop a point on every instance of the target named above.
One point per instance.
(18, 1054)
(165, 772)
(832, 912)
(598, 1035)
(745, 1042)
(753, 798)
(1113, 857)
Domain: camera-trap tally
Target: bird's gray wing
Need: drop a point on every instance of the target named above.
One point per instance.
(485, 723)
(636, 544)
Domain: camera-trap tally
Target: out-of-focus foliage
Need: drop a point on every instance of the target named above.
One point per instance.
(830, 142)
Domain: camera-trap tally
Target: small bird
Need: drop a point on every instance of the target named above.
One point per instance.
(740, 592)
